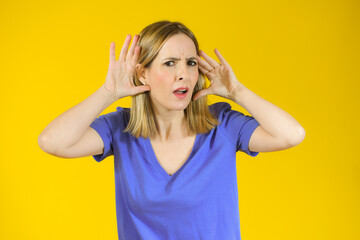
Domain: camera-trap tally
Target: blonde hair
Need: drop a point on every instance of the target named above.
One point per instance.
(142, 119)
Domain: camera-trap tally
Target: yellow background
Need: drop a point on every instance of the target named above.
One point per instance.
(302, 56)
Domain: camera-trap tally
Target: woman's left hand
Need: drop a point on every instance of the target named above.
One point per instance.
(223, 80)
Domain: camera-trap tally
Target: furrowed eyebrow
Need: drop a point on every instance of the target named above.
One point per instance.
(176, 59)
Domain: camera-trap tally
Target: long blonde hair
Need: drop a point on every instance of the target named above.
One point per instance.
(142, 119)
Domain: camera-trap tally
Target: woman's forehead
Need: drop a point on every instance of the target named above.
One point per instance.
(178, 46)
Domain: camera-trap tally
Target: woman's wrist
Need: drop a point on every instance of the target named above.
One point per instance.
(237, 92)
(110, 98)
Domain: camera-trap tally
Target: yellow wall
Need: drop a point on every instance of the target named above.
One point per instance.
(302, 56)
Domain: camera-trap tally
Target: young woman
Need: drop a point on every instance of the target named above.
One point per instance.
(174, 156)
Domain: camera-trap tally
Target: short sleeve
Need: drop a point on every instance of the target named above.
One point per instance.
(236, 126)
(105, 125)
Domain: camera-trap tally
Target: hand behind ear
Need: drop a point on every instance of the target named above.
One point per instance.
(119, 79)
(223, 81)
(140, 73)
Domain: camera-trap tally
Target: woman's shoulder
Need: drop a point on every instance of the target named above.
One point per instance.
(223, 112)
(123, 111)
(120, 112)
(118, 118)
(123, 115)
(218, 108)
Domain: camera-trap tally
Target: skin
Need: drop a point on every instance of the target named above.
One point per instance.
(277, 131)
(164, 76)
(69, 134)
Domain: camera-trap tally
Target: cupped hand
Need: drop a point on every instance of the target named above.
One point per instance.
(119, 81)
(223, 81)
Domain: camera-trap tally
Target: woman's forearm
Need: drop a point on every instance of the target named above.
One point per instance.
(70, 126)
(273, 119)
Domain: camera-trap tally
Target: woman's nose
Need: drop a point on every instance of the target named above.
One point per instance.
(183, 72)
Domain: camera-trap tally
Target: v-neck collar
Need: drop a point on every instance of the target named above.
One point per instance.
(151, 154)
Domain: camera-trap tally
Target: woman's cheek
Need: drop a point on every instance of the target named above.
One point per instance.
(195, 77)
(163, 76)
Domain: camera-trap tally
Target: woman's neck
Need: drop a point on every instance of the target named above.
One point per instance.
(171, 125)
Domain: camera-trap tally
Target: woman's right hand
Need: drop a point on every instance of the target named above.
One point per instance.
(119, 79)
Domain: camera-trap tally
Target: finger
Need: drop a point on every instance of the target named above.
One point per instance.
(201, 93)
(141, 89)
(203, 70)
(209, 60)
(125, 48)
(134, 60)
(130, 53)
(220, 57)
(206, 72)
(204, 65)
(112, 52)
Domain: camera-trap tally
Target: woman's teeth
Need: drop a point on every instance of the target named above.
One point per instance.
(182, 91)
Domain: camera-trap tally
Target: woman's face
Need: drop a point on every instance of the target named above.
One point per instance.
(174, 68)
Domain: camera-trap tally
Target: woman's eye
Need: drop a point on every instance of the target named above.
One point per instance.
(171, 63)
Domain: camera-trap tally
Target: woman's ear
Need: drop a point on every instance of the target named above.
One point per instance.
(140, 71)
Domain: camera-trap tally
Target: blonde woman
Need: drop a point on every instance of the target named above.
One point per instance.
(174, 156)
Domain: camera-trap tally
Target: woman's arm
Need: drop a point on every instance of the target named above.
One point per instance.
(70, 134)
(69, 127)
(277, 131)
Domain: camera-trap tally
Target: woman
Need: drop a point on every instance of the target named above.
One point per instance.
(174, 156)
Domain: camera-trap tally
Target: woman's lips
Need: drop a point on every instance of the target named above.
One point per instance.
(180, 95)
(181, 92)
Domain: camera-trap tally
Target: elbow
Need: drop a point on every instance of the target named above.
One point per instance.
(298, 137)
(44, 145)
(41, 142)
(48, 145)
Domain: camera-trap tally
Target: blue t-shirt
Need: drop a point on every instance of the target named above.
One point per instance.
(199, 201)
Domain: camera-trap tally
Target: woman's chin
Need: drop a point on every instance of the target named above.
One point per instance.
(177, 105)
(180, 106)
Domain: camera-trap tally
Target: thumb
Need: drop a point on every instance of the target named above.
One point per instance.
(201, 93)
(141, 89)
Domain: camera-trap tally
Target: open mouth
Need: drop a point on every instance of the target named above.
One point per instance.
(181, 92)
